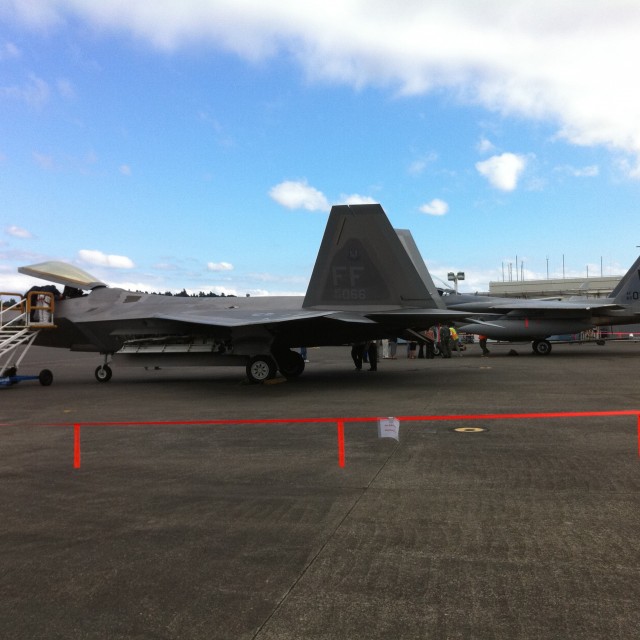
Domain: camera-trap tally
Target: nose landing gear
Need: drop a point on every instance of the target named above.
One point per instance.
(103, 373)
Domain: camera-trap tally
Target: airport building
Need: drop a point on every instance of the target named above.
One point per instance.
(598, 287)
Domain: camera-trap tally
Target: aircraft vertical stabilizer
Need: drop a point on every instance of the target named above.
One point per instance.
(627, 291)
(363, 263)
(414, 253)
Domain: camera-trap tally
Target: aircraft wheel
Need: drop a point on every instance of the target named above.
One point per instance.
(541, 347)
(261, 368)
(103, 373)
(45, 377)
(291, 364)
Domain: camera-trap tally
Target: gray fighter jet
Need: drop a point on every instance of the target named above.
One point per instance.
(536, 319)
(364, 286)
(518, 319)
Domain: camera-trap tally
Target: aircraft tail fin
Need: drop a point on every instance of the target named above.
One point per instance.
(414, 253)
(362, 262)
(627, 291)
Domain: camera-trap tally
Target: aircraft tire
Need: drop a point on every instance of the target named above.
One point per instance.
(541, 347)
(103, 373)
(291, 364)
(261, 368)
(45, 377)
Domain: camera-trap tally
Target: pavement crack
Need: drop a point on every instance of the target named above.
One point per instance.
(324, 545)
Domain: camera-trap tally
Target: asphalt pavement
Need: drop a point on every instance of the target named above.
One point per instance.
(175, 527)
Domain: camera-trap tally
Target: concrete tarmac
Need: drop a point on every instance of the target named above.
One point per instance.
(527, 529)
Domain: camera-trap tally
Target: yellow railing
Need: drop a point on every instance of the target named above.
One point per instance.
(40, 308)
(35, 309)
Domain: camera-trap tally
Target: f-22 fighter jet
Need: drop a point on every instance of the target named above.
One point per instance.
(365, 286)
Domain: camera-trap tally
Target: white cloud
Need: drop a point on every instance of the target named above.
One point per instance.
(219, 266)
(485, 146)
(270, 277)
(35, 92)
(356, 199)
(299, 195)
(418, 166)
(590, 171)
(9, 50)
(436, 207)
(65, 88)
(503, 171)
(631, 168)
(43, 160)
(125, 169)
(572, 63)
(100, 259)
(18, 232)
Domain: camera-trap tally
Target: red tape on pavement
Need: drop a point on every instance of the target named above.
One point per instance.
(341, 422)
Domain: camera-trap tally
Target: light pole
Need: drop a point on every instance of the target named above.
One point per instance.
(454, 277)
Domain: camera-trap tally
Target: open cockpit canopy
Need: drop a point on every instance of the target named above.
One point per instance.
(62, 273)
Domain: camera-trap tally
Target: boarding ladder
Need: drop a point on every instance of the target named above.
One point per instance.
(21, 319)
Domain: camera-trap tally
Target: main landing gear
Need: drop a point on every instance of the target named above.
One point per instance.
(264, 367)
(261, 368)
(541, 347)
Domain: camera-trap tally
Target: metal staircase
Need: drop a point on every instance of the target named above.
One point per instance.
(21, 319)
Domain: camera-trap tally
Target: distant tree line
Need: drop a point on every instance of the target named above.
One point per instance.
(202, 294)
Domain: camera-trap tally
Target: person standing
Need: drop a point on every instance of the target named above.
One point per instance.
(445, 341)
(455, 340)
(372, 352)
(357, 352)
(483, 345)
(429, 345)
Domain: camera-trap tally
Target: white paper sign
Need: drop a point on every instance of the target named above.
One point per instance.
(389, 428)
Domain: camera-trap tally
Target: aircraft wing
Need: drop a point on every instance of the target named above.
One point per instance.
(533, 305)
(408, 317)
(242, 317)
(231, 318)
(553, 305)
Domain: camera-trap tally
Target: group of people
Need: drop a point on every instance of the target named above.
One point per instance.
(442, 339)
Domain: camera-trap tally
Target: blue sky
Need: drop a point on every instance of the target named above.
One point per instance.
(199, 144)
